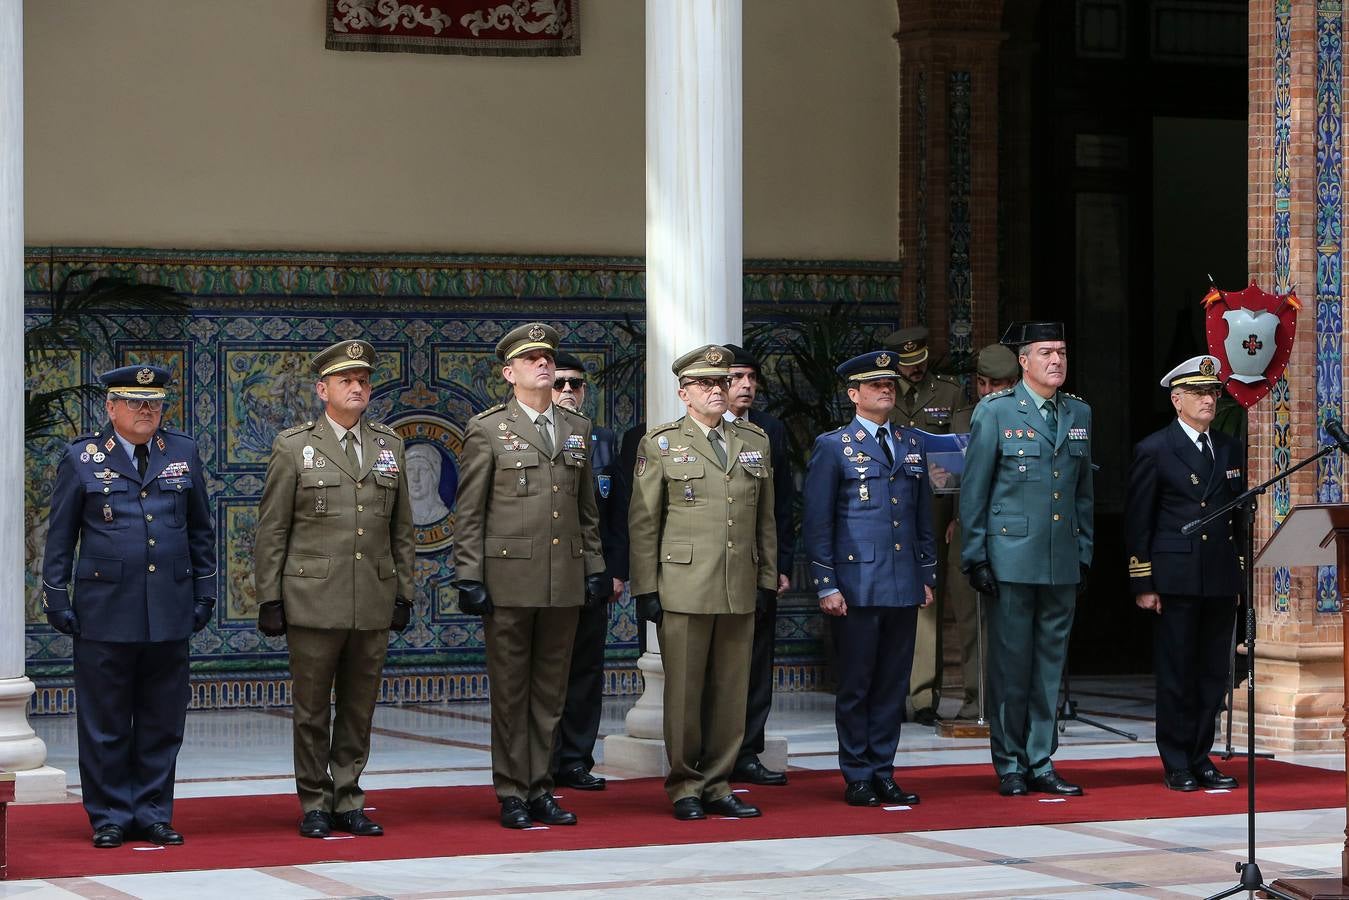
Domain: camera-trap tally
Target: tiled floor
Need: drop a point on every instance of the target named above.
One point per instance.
(249, 752)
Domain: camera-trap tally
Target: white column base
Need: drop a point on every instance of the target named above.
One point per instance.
(774, 755)
(635, 757)
(20, 747)
(41, 785)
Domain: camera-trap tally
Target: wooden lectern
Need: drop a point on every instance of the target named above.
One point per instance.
(1318, 535)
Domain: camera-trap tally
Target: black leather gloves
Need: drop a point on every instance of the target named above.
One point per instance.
(201, 613)
(272, 618)
(402, 614)
(648, 607)
(598, 589)
(64, 621)
(982, 580)
(1084, 577)
(473, 599)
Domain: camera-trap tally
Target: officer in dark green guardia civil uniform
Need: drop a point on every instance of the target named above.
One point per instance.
(527, 555)
(703, 554)
(334, 559)
(1026, 510)
(926, 401)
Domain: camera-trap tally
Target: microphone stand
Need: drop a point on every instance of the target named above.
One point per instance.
(1249, 871)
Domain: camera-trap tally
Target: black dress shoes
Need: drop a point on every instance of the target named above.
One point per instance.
(686, 809)
(358, 823)
(1051, 783)
(889, 792)
(1180, 780)
(107, 837)
(316, 824)
(925, 716)
(860, 793)
(1212, 779)
(580, 778)
(161, 833)
(731, 807)
(544, 809)
(755, 772)
(1013, 784)
(515, 814)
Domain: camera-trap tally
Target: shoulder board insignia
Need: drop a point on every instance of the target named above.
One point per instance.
(666, 427)
(490, 410)
(380, 426)
(573, 414)
(296, 429)
(1002, 393)
(1074, 396)
(749, 426)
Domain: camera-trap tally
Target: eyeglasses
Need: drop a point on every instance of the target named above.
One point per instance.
(708, 384)
(575, 383)
(138, 405)
(1203, 392)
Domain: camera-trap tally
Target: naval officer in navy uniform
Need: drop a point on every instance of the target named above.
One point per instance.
(1190, 582)
(131, 496)
(873, 564)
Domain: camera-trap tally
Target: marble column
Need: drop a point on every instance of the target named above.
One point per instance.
(694, 253)
(21, 751)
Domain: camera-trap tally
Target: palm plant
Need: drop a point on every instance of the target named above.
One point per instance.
(81, 314)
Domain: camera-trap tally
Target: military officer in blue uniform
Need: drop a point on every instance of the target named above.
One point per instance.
(1026, 507)
(1190, 582)
(574, 752)
(132, 498)
(873, 563)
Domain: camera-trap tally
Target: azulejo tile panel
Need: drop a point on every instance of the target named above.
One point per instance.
(240, 362)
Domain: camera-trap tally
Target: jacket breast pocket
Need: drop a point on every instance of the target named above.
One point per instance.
(1021, 460)
(388, 488)
(567, 469)
(687, 485)
(517, 473)
(861, 481)
(313, 498)
(1077, 448)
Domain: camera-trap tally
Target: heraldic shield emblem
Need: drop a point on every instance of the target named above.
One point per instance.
(1251, 333)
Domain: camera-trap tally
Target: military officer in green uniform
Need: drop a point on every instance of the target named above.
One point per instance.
(1026, 510)
(334, 559)
(926, 401)
(527, 554)
(995, 369)
(703, 547)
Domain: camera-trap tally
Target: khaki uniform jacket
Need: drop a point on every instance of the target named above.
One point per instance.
(929, 404)
(703, 538)
(335, 546)
(527, 525)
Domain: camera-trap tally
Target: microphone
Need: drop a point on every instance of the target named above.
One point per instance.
(1336, 431)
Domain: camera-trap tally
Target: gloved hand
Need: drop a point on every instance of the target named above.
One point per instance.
(201, 613)
(982, 580)
(598, 589)
(763, 601)
(272, 618)
(64, 621)
(1084, 576)
(473, 599)
(402, 614)
(648, 607)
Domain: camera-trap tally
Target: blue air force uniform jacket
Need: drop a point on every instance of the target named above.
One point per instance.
(146, 547)
(1026, 502)
(611, 500)
(868, 527)
(1170, 485)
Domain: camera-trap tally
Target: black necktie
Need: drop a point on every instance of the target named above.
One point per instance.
(885, 446)
(142, 459)
(1205, 449)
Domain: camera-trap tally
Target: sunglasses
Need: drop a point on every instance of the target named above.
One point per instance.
(575, 383)
(138, 405)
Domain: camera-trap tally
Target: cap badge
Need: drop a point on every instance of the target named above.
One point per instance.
(1206, 366)
(714, 356)
(145, 376)
(354, 350)
(536, 333)
(910, 346)
(883, 360)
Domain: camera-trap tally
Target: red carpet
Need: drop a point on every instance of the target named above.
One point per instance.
(52, 840)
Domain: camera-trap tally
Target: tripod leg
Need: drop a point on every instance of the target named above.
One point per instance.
(1231, 675)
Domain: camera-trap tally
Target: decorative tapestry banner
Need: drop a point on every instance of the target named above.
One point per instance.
(467, 27)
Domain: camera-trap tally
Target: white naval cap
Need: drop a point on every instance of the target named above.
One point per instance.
(1197, 371)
